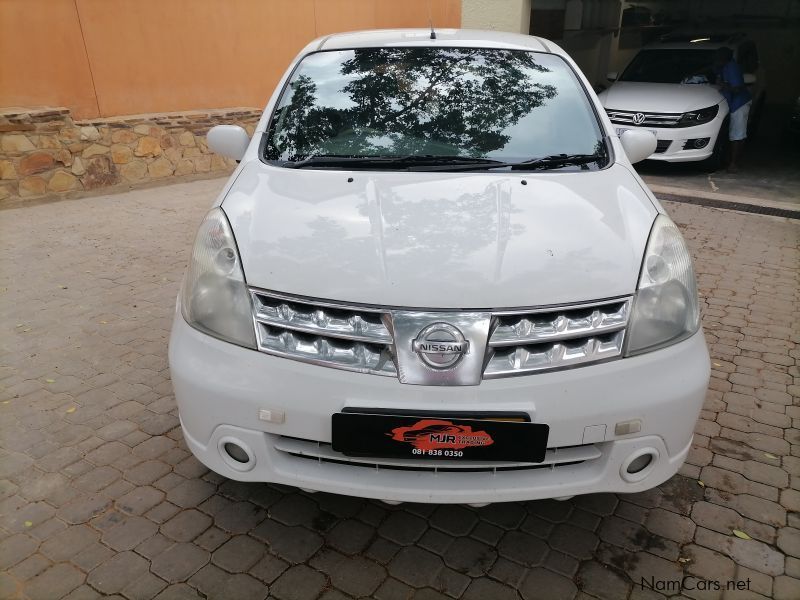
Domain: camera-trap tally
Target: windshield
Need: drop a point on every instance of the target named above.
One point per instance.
(670, 66)
(434, 103)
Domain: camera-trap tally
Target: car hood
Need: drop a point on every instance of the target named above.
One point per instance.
(659, 97)
(440, 240)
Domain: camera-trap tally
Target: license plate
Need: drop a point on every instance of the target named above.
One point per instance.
(439, 437)
(621, 130)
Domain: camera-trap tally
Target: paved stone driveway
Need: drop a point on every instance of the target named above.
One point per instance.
(99, 496)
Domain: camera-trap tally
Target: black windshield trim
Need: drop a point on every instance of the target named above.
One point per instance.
(272, 106)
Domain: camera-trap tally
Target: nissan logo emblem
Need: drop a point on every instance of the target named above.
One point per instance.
(440, 345)
(638, 118)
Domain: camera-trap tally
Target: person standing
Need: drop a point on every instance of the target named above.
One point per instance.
(732, 86)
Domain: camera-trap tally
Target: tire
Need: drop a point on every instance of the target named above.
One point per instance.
(719, 155)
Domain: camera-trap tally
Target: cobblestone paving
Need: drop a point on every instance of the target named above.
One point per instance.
(99, 495)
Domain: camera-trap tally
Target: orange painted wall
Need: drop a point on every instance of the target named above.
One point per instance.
(42, 57)
(164, 55)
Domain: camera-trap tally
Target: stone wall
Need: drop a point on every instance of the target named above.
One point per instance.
(44, 153)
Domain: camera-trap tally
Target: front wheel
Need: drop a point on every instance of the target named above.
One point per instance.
(719, 155)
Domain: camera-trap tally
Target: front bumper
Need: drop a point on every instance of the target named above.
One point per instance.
(679, 139)
(221, 390)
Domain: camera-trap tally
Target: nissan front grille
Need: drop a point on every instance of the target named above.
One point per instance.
(448, 347)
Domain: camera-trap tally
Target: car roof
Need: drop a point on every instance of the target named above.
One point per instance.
(469, 38)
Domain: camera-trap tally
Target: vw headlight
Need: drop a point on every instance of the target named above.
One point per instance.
(214, 298)
(665, 309)
(698, 117)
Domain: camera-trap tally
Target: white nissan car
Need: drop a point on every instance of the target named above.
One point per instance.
(668, 89)
(436, 277)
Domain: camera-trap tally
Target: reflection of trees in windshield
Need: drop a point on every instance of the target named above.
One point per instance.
(398, 101)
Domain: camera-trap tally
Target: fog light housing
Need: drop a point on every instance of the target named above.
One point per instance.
(696, 143)
(638, 465)
(236, 454)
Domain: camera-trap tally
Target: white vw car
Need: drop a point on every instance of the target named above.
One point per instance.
(668, 89)
(435, 277)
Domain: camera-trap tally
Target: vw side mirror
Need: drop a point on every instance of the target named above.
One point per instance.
(749, 78)
(612, 75)
(638, 144)
(230, 141)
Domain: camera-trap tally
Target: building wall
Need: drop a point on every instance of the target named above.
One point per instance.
(102, 58)
(500, 15)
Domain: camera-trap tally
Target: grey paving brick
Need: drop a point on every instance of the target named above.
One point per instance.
(293, 544)
(147, 472)
(69, 542)
(129, 533)
(139, 500)
(55, 582)
(145, 587)
(212, 538)
(415, 566)
(83, 508)
(349, 536)
(402, 527)
(240, 517)
(16, 548)
(487, 588)
(522, 548)
(298, 583)
(179, 562)
(470, 556)
(294, 509)
(190, 493)
(269, 568)
(455, 520)
(186, 525)
(29, 567)
(353, 575)
(238, 554)
(117, 572)
(243, 586)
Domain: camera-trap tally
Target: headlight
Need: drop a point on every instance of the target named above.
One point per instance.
(665, 309)
(698, 117)
(214, 298)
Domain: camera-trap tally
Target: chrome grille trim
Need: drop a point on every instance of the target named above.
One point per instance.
(625, 117)
(323, 453)
(368, 338)
(522, 360)
(325, 334)
(563, 324)
(346, 323)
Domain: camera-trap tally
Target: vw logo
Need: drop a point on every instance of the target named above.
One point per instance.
(638, 118)
(440, 345)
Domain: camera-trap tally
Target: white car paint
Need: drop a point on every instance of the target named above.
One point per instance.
(486, 237)
(481, 241)
(660, 97)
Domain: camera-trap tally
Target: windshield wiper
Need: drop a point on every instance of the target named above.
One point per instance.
(410, 161)
(545, 162)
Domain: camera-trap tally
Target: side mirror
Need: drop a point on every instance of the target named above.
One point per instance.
(230, 141)
(638, 144)
(612, 75)
(749, 78)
